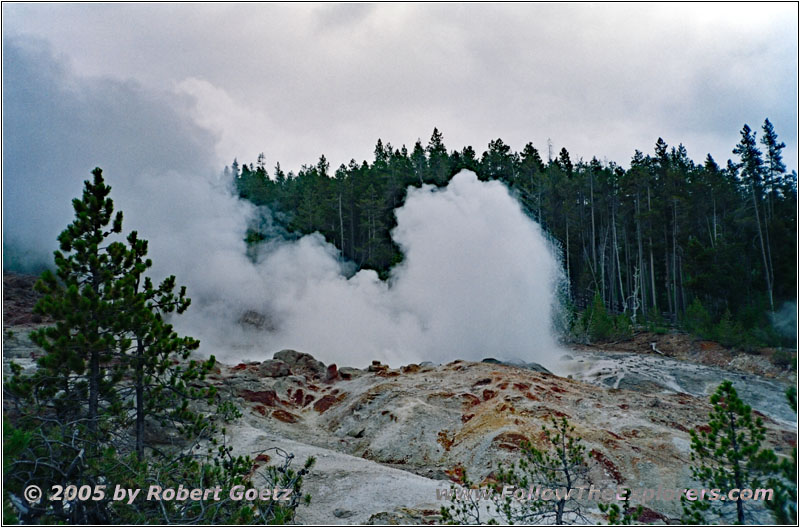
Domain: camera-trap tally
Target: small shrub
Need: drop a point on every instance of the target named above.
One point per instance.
(601, 326)
(697, 320)
(623, 329)
(728, 332)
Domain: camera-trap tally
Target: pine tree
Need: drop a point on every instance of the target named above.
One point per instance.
(564, 162)
(498, 163)
(85, 299)
(113, 364)
(531, 180)
(162, 387)
(438, 160)
(728, 455)
(775, 166)
(420, 162)
(561, 466)
(753, 174)
(784, 479)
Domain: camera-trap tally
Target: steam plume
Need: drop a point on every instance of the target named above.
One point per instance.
(478, 279)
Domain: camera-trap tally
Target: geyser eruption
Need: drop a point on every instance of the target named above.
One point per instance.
(478, 278)
(478, 270)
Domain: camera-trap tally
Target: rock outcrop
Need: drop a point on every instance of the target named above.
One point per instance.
(301, 363)
(437, 422)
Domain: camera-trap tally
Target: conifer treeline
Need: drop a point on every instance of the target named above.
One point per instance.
(664, 238)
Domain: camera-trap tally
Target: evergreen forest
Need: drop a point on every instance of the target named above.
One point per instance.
(707, 247)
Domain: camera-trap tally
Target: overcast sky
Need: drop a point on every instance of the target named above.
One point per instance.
(299, 80)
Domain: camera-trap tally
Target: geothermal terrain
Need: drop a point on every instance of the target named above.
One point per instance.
(386, 439)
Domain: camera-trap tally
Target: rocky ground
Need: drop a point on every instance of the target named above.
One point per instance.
(435, 422)
(386, 439)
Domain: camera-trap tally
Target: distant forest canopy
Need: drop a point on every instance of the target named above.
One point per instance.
(669, 240)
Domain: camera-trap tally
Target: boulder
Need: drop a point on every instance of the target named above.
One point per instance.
(302, 363)
(332, 373)
(274, 368)
(377, 366)
(536, 368)
(341, 513)
(347, 373)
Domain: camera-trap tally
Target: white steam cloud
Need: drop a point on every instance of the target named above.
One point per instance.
(478, 279)
(785, 320)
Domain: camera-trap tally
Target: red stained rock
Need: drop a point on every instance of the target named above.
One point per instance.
(522, 387)
(332, 373)
(456, 474)
(297, 398)
(267, 397)
(284, 416)
(377, 366)
(445, 440)
(608, 465)
(488, 394)
(679, 427)
(510, 441)
(470, 400)
(262, 458)
(531, 396)
(466, 417)
(410, 369)
(325, 403)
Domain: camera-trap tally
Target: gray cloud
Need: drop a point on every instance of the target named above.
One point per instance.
(57, 128)
(600, 79)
